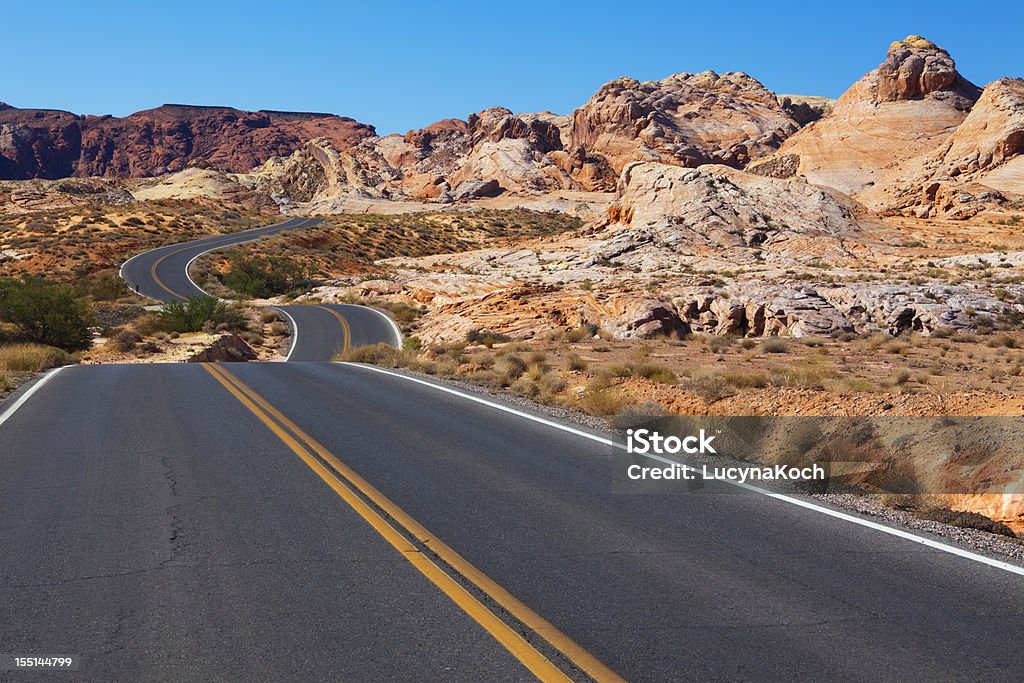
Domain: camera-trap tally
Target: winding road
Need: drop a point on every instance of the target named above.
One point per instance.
(313, 521)
(162, 274)
(319, 332)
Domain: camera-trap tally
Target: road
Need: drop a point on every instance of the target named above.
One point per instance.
(305, 521)
(162, 274)
(319, 333)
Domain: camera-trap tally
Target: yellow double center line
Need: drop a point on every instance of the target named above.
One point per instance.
(346, 331)
(397, 527)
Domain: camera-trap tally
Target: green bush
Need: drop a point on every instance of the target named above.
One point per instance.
(197, 314)
(46, 313)
(264, 276)
(106, 285)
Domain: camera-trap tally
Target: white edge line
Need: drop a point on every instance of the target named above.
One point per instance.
(7, 414)
(391, 321)
(226, 246)
(295, 333)
(906, 535)
(120, 272)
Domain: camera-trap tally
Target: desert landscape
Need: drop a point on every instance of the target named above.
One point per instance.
(696, 245)
(560, 342)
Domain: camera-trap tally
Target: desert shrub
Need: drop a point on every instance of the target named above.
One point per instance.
(602, 398)
(46, 313)
(378, 354)
(655, 373)
(124, 340)
(746, 380)
(31, 357)
(403, 313)
(580, 333)
(718, 344)
(775, 345)
(279, 329)
(615, 370)
(196, 314)
(105, 285)
(807, 375)
(269, 315)
(264, 276)
(574, 361)
(709, 387)
(1005, 341)
(486, 338)
(508, 368)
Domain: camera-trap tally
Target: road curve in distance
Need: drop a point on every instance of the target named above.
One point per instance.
(162, 274)
(321, 332)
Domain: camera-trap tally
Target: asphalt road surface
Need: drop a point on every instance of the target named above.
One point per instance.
(162, 274)
(320, 332)
(307, 521)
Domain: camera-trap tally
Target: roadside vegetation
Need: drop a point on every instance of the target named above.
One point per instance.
(20, 361)
(261, 277)
(350, 244)
(196, 315)
(73, 243)
(46, 313)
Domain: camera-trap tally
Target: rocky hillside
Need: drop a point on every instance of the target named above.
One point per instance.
(914, 136)
(685, 119)
(911, 137)
(40, 143)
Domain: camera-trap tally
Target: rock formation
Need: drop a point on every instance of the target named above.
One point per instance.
(685, 119)
(664, 211)
(55, 144)
(991, 136)
(877, 132)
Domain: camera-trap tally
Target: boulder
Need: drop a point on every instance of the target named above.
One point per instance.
(471, 189)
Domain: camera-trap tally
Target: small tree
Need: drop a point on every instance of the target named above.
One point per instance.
(196, 313)
(262, 277)
(46, 312)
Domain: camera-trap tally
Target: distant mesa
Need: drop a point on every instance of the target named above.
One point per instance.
(37, 143)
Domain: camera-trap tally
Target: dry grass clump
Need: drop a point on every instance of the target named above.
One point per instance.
(124, 340)
(709, 387)
(575, 362)
(775, 345)
(23, 358)
(602, 398)
(31, 357)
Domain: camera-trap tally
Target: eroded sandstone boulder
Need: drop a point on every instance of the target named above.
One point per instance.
(664, 211)
(685, 119)
(878, 134)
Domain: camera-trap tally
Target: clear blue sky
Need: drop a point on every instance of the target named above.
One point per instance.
(403, 65)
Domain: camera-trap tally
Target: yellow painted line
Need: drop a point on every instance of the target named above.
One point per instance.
(579, 656)
(160, 283)
(346, 331)
(533, 660)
